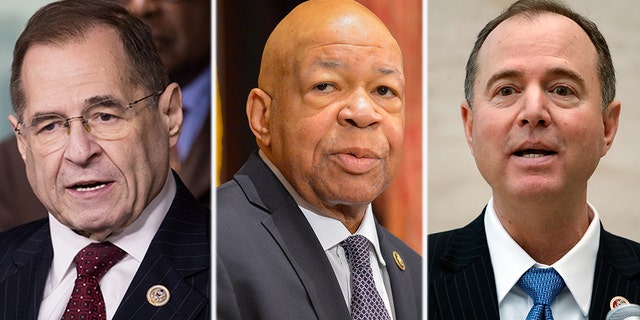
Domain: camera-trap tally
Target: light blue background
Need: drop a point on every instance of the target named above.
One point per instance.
(13, 18)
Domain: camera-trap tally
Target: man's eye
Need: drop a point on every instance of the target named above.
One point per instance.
(46, 126)
(562, 91)
(322, 86)
(506, 91)
(385, 91)
(105, 117)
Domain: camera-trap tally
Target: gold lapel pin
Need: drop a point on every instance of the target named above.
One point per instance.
(158, 295)
(399, 261)
(617, 301)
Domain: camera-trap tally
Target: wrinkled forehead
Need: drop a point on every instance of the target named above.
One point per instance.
(355, 27)
(67, 73)
(337, 38)
(322, 24)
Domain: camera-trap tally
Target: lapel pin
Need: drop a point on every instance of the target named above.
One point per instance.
(158, 295)
(399, 261)
(617, 301)
(621, 309)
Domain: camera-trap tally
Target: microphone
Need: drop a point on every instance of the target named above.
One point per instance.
(621, 309)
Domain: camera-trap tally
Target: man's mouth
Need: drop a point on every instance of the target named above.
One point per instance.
(85, 187)
(533, 153)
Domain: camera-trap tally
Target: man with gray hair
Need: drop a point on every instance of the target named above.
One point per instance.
(95, 117)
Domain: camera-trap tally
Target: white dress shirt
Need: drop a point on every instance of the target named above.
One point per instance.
(134, 240)
(330, 232)
(510, 262)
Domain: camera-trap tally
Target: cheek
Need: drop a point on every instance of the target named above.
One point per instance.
(305, 133)
(42, 174)
(396, 134)
(587, 137)
(489, 136)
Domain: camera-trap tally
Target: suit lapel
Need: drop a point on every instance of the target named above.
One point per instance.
(178, 259)
(617, 273)
(28, 273)
(402, 282)
(466, 275)
(290, 229)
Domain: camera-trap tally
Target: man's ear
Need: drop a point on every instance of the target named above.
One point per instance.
(467, 121)
(21, 146)
(170, 108)
(258, 113)
(610, 118)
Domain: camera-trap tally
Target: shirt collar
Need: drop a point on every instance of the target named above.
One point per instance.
(329, 231)
(510, 261)
(134, 240)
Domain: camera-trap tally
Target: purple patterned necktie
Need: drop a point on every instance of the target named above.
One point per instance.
(542, 285)
(92, 262)
(366, 303)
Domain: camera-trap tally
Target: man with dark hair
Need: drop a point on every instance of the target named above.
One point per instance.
(95, 117)
(539, 114)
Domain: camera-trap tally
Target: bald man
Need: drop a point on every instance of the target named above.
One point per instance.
(328, 118)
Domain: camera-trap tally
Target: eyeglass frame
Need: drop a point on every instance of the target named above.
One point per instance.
(85, 122)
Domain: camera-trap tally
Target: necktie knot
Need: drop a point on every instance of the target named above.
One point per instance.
(96, 259)
(543, 286)
(357, 251)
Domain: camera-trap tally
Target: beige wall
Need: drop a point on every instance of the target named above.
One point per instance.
(456, 191)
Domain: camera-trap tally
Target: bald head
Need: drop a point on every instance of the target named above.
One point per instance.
(316, 23)
(329, 110)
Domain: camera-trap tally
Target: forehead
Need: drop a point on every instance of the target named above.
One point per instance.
(74, 70)
(349, 57)
(546, 41)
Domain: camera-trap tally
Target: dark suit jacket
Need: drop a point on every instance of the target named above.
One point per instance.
(270, 264)
(462, 284)
(178, 258)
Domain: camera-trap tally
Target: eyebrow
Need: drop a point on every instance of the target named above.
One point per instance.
(328, 63)
(96, 99)
(89, 102)
(332, 64)
(556, 72)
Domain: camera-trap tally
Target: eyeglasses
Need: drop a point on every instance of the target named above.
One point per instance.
(105, 120)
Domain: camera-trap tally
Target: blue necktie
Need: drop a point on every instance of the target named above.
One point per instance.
(366, 303)
(543, 285)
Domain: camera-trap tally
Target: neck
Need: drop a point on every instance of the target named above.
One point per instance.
(545, 228)
(351, 216)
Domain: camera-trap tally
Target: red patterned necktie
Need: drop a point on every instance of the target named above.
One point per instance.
(366, 303)
(92, 262)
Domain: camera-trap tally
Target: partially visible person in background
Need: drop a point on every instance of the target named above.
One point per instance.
(18, 204)
(182, 35)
